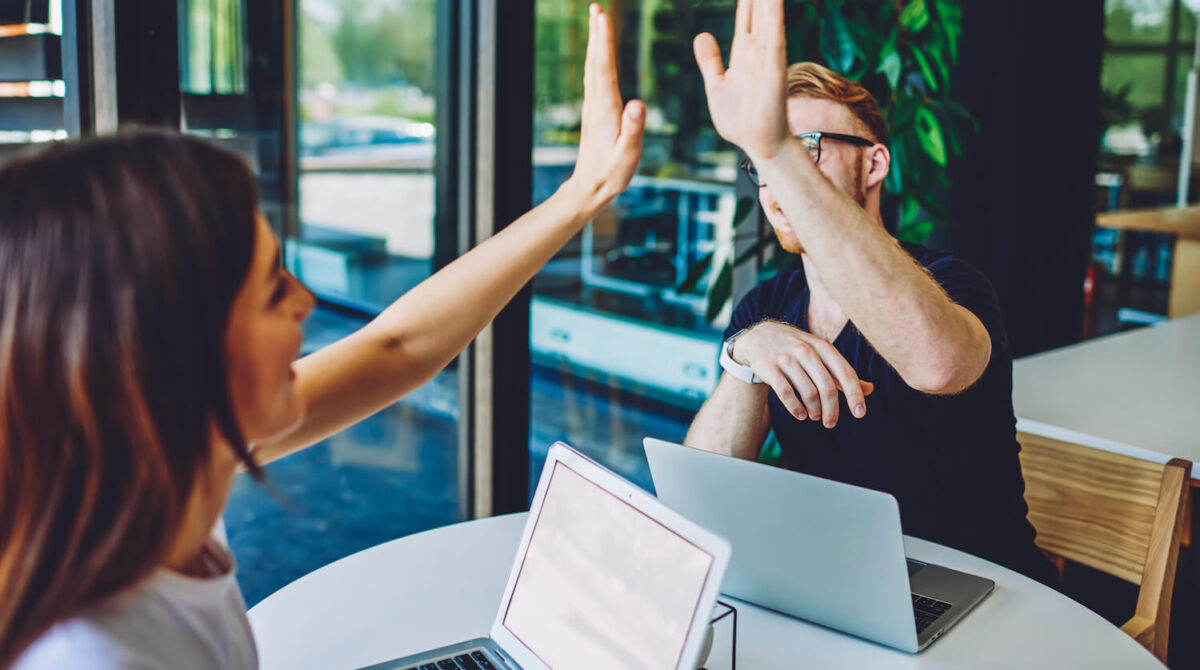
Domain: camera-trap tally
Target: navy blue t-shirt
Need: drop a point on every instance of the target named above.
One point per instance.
(950, 461)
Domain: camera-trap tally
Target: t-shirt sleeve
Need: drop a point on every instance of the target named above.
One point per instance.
(747, 312)
(971, 289)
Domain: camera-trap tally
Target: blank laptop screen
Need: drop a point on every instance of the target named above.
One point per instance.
(603, 585)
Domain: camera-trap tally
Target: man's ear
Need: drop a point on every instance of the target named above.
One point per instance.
(878, 160)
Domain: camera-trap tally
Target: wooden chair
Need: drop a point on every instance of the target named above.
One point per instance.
(1117, 514)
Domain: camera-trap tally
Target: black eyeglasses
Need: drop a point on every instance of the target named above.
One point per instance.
(812, 142)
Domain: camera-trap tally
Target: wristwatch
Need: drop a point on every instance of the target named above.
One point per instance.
(742, 372)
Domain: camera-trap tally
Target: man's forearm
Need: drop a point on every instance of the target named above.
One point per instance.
(935, 345)
(733, 421)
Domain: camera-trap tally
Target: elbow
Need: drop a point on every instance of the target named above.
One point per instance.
(945, 381)
(955, 370)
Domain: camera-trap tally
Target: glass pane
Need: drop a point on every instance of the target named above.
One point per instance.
(1133, 86)
(1141, 21)
(212, 48)
(365, 235)
(366, 148)
(1186, 30)
(31, 105)
(621, 349)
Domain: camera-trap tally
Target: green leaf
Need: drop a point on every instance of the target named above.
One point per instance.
(906, 112)
(916, 232)
(894, 179)
(771, 453)
(745, 205)
(927, 72)
(915, 16)
(954, 140)
(837, 46)
(720, 292)
(890, 63)
(694, 273)
(929, 132)
(910, 209)
(949, 15)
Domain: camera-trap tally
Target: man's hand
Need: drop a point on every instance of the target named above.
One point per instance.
(610, 142)
(747, 100)
(792, 361)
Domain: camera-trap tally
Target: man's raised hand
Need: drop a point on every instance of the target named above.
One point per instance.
(747, 100)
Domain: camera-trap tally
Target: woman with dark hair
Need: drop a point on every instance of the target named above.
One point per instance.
(148, 337)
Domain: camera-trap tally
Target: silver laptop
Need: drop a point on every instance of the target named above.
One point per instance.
(606, 576)
(820, 550)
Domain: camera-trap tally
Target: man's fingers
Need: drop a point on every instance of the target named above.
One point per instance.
(867, 387)
(804, 387)
(825, 383)
(783, 390)
(708, 58)
(767, 22)
(847, 378)
(742, 16)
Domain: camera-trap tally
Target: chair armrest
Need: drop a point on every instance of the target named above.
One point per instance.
(1140, 628)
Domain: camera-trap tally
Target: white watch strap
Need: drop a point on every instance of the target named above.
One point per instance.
(742, 372)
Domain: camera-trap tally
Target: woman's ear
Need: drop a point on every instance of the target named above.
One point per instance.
(878, 162)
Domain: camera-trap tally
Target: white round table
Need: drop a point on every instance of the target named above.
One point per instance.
(443, 586)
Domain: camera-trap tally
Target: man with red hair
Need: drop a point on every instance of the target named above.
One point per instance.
(880, 364)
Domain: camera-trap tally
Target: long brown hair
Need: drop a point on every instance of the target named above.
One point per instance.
(119, 261)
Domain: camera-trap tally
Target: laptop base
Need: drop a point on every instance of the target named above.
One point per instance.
(478, 654)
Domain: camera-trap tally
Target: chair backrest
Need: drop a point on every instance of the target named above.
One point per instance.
(1114, 513)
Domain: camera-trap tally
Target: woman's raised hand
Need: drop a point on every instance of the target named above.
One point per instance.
(610, 143)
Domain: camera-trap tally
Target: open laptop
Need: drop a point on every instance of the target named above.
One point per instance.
(820, 550)
(606, 576)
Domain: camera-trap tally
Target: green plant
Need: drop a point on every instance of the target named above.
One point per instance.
(903, 52)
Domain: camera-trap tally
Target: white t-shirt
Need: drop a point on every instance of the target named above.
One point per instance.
(167, 621)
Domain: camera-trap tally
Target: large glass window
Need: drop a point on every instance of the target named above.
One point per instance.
(1144, 82)
(620, 342)
(362, 234)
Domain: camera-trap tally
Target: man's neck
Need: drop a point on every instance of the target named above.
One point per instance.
(825, 317)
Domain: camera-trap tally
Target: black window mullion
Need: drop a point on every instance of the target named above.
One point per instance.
(504, 187)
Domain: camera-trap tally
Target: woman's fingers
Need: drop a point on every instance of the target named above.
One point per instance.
(601, 93)
(628, 150)
(606, 61)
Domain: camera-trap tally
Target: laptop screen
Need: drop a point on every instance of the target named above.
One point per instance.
(602, 585)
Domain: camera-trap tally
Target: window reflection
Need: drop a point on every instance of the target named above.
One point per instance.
(365, 133)
(366, 145)
(620, 343)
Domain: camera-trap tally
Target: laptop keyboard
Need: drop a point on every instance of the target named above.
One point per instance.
(474, 660)
(927, 610)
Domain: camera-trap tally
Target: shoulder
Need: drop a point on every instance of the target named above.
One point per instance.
(79, 643)
(166, 621)
(944, 265)
(966, 285)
